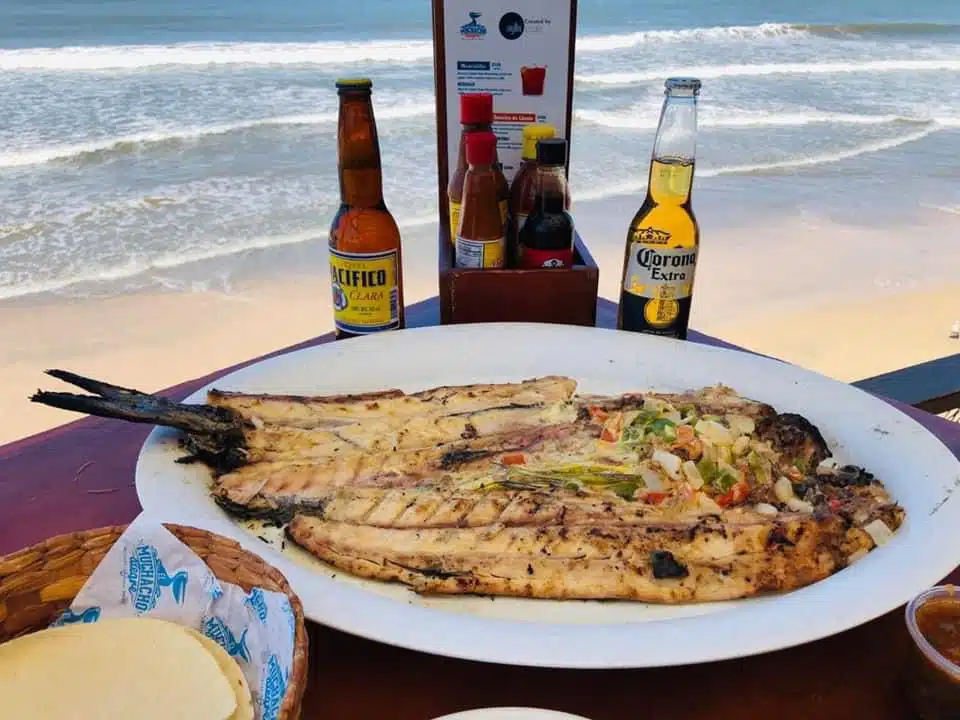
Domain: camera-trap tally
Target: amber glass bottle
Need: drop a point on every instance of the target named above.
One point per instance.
(480, 241)
(522, 188)
(366, 266)
(476, 115)
(546, 238)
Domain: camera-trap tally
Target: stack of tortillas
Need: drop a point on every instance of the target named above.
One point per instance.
(124, 668)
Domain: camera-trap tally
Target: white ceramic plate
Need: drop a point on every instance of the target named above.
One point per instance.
(919, 470)
(511, 713)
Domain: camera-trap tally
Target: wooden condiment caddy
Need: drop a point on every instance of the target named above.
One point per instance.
(474, 43)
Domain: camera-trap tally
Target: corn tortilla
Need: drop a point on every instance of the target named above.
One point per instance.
(119, 668)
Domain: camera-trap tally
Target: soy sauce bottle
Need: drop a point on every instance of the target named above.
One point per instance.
(546, 238)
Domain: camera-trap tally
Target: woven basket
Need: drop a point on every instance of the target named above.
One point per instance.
(39, 582)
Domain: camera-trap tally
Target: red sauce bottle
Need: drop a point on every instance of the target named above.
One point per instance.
(546, 238)
(480, 240)
(476, 115)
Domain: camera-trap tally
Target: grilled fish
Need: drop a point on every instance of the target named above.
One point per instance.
(530, 489)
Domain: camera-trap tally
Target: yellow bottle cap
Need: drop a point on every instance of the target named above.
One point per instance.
(354, 84)
(533, 133)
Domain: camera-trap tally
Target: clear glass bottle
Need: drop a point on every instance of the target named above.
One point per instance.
(664, 236)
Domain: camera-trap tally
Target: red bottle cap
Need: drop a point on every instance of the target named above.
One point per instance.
(476, 108)
(481, 148)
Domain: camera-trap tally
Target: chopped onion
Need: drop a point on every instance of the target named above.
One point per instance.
(256, 422)
(707, 503)
(652, 404)
(765, 509)
(878, 530)
(741, 445)
(798, 505)
(669, 462)
(651, 479)
(741, 424)
(783, 489)
(673, 416)
(724, 455)
(715, 432)
(692, 472)
(828, 465)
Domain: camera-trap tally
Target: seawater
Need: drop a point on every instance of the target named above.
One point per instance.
(148, 144)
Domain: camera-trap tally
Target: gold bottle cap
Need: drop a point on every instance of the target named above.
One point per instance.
(354, 84)
(531, 134)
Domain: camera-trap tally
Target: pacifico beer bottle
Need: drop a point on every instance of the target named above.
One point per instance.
(664, 237)
(365, 253)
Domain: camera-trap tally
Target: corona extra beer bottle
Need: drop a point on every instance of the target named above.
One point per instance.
(664, 237)
(366, 268)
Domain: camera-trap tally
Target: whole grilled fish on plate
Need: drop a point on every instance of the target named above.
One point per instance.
(548, 464)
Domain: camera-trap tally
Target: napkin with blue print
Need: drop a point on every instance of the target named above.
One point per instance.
(150, 573)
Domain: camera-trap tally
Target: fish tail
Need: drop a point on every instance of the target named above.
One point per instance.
(112, 401)
(178, 585)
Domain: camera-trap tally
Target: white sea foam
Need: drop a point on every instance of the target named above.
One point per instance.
(333, 53)
(129, 143)
(626, 79)
(172, 260)
(637, 185)
(647, 117)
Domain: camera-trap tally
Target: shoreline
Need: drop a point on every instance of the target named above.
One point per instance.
(777, 289)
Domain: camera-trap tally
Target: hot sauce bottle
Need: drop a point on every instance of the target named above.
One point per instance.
(480, 237)
(546, 238)
(365, 252)
(476, 115)
(522, 188)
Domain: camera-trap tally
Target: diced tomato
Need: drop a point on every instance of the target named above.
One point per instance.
(515, 459)
(735, 495)
(655, 498)
(685, 434)
(612, 428)
(834, 505)
(598, 414)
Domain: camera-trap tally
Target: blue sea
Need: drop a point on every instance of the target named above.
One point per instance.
(167, 144)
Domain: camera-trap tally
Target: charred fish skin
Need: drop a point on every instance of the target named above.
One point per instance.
(215, 436)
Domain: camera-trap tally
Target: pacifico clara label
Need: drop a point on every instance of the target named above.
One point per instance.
(365, 295)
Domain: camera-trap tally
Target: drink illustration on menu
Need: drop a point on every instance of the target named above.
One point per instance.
(517, 51)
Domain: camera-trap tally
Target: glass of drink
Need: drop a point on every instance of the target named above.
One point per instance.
(933, 666)
(533, 79)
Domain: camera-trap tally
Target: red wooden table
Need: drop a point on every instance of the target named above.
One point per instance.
(80, 476)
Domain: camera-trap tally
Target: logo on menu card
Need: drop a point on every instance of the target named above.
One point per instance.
(511, 25)
(473, 30)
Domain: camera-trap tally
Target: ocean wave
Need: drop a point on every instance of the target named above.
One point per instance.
(393, 52)
(142, 57)
(735, 33)
(626, 79)
(101, 149)
(647, 118)
(168, 261)
(404, 52)
(890, 28)
(635, 186)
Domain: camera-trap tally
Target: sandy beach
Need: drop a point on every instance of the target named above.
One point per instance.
(825, 296)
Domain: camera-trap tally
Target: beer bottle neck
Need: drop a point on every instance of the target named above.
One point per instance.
(358, 148)
(674, 151)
